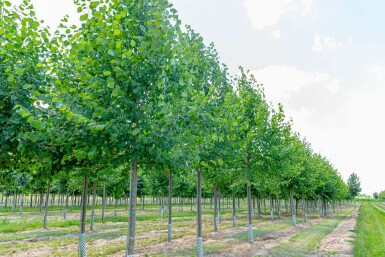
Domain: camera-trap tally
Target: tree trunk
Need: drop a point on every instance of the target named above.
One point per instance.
(254, 211)
(250, 218)
(169, 206)
(46, 205)
(292, 207)
(199, 214)
(14, 201)
(234, 216)
(82, 236)
(103, 202)
(21, 205)
(116, 208)
(271, 207)
(41, 200)
(219, 203)
(259, 206)
(132, 212)
(66, 206)
(93, 206)
(215, 207)
(162, 205)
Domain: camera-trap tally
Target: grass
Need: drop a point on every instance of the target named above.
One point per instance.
(370, 239)
(308, 239)
(264, 230)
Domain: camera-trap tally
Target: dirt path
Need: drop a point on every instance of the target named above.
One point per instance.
(339, 242)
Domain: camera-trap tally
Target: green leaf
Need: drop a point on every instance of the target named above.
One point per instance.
(39, 65)
(37, 124)
(19, 71)
(68, 115)
(111, 52)
(11, 78)
(118, 44)
(94, 4)
(115, 92)
(158, 22)
(135, 132)
(110, 82)
(107, 73)
(7, 3)
(83, 17)
(116, 32)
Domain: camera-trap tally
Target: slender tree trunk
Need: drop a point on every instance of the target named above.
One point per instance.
(30, 200)
(21, 205)
(271, 207)
(162, 205)
(6, 201)
(254, 211)
(199, 214)
(41, 200)
(103, 202)
(292, 207)
(215, 207)
(93, 206)
(169, 206)
(14, 201)
(46, 205)
(234, 216)
(116, 208)
(66, 206)
(259, 206)
(219, 203)
(82, 235)
(250, 218)
(132, 212)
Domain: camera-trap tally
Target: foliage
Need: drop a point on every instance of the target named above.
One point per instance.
(354, 185)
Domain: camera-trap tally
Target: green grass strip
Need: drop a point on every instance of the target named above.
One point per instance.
(370, 239)
(309, 239)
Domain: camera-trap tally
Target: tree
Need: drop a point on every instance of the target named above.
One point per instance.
(354, 185)
(375, 195)
(381, 195)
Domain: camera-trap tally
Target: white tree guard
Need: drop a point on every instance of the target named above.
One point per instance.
(251, 235)
(200, 247)
(82, 245)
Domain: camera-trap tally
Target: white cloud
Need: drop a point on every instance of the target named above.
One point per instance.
(322, 43)
(276, 34)
(264, 13)
(280, 81)
(377, 73)
(345, 126)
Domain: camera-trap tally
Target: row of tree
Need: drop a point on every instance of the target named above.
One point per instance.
(130, 90)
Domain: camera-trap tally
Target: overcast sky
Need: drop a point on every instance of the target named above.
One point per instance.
(323, 60)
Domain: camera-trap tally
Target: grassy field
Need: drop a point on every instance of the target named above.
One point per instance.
(370, 240)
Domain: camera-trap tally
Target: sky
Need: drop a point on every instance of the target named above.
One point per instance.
(323, 60)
